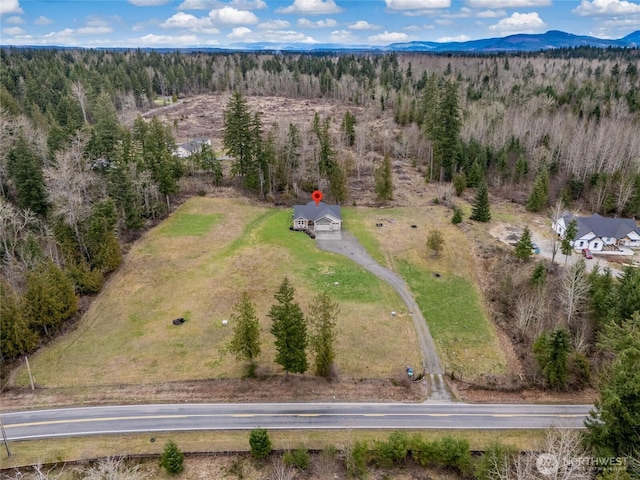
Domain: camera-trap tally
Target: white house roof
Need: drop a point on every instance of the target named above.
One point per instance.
(603, 226)
(312, 212)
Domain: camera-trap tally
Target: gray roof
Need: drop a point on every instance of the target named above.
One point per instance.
(312, 212)
(603, 226)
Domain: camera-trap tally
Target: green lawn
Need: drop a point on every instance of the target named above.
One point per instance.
(189, 224)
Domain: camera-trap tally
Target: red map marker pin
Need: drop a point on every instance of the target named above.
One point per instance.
(316, 196)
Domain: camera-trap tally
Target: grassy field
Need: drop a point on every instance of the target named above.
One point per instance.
(451, 302)
(194, 265)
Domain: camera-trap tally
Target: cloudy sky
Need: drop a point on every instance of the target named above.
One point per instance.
(169, 23)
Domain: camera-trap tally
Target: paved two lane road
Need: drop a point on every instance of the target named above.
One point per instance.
(67, 422)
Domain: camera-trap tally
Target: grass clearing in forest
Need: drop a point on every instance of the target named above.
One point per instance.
(127, 335)
(451, 302)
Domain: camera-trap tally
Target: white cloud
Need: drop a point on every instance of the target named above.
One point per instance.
(63, 36)
(153, 40)
(628, 21)
(606, 8)
(10, 6)
(508, 3)
(389, 37)
(519, 23)
(147, 3)
(459, 38)
(186, 20)
(197, 4)
(342, 36)
(328, 23)
(94, 30)
(274, 25)
(15, 20)
(12, 31)
(416, 28)
(239, 32)
(463, 13)
(232, 16)
(311, 7)
(364, 25)
(417, 4)
(42, 20)
(287, 36)
(248, 4)
(491, 14)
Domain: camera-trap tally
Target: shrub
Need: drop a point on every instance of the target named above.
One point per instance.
(393, 451)
(172, 458)
(260, 443)
(298, 458)
(356, 457)
(457, 216)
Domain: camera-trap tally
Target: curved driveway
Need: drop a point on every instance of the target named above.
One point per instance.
(351, 248)
(68, 422)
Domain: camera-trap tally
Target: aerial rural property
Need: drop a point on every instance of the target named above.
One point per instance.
(232, 250)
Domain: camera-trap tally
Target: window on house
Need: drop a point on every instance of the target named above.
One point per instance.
(596, 245)
(581, 244)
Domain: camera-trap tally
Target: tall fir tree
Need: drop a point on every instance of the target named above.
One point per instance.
(238, 139)
(384, 180)
(16, 338)
(539, 197)
(25, 169)
(447, 142)
(245, 343)
(566, 243)
(290, 330)
(481, 211)
(552, 351)
(523, 247)
(323, 322)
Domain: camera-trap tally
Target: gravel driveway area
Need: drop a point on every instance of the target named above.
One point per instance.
(351, 248)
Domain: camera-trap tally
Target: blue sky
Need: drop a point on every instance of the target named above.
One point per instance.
(169, 23)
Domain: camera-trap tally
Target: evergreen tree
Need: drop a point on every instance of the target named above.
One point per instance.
(540, 194)
(447, 142)
(348, 128)
(106, 131)
(338, 184)
(602, 295)
(566, 244)
(172, 459)
(481, 210)
(475, 177)
(290, 329)
(238, 138)
(435, 242)
(384, 180)
(260, 443)
(245, 343)
(629, 293)
(551, 352)
(459, 183)
(25, 170)
(15, 338)
(457, 216)
(539, 275)
(209, 163)
(523, 247)
(613, 428)
(323, 320)
(102, 243)
(49, 299)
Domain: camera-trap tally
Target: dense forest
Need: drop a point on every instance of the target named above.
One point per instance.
(81, 169)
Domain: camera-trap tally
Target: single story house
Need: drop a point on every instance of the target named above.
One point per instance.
(597, 232)
(187, 149)
(318, 218)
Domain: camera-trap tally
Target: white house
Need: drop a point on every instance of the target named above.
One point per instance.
(597, 232)
(317, 218)
(187, 149)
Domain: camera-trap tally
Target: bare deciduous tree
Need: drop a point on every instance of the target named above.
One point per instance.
(574, 290)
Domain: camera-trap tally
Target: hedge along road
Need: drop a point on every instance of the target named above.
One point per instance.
(351, 248)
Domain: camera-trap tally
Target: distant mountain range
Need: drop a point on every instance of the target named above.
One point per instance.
(522, 42)
(512, 43)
